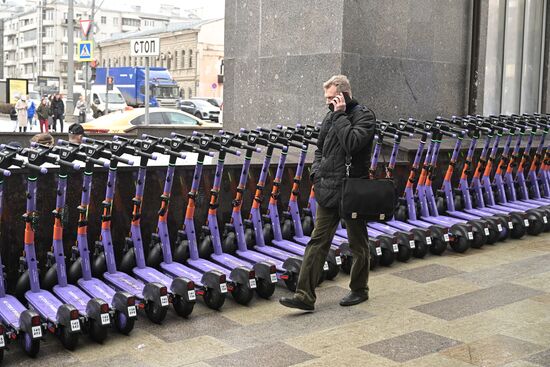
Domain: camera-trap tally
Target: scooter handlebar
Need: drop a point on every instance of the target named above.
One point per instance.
(128, 162)
(34, 167)
(5, 172)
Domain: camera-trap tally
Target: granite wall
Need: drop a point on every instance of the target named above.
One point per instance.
(404, 57)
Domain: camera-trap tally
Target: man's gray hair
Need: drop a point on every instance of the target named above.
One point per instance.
(341, 82)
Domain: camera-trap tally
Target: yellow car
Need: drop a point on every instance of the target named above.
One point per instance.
(121, 122)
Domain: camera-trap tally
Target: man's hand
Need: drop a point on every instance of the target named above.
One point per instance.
(339, 103)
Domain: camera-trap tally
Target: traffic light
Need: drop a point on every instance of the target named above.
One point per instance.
(110, 82)
(93, 66)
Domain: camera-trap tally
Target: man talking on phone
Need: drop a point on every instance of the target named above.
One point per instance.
(348, 126)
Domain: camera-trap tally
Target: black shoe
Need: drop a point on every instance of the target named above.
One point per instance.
(292, 302)
(354, 298)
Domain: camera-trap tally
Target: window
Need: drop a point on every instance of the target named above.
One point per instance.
(155, 118)
(65, 49)
(131, 22)
(189, 93)
(183, 59)
(48, 32)
(48, 15)
(123, 61)
(168, 61)
(115, 21)
(176, 118)
(190, 59)
(103, 20)
(175, 59)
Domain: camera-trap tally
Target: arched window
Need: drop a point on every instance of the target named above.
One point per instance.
(190, 58)
(189, 93)
(176, 60)
(123, 61)
(169, 61)
(183, 59)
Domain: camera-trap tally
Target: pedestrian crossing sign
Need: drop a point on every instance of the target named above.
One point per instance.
(85, 51)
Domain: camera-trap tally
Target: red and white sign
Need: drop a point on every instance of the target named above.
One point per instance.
(85, 25)
(214, 86)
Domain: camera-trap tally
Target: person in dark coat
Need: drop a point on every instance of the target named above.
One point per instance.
(347, 127)
(58, 111)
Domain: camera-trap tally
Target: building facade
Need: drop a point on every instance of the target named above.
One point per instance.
(191, 51)
(35, 38)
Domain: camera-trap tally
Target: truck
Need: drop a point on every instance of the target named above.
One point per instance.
(130, 81)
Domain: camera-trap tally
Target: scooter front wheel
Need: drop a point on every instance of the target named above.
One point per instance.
(291, 282)
(68, 339)
(30, 346)
(333, 270)
(155, 312)
(123, 323)
(182, 307)
(264, 288)
(213, 298)
(242, 294)
(98, 332)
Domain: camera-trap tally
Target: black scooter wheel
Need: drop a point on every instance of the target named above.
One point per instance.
(438, 246)
(388, 256)
(98, 332)
(213, 298)
(307, 225)
(123, 323)
(128, 262)
(265, 288)
(420, 249)
(268, 233)
(181, 251)
(535, 224)
(479, 235)
(518, 230)
(242, 294)
(404, 253)
(287, 229)
(205, 247)
(154, 258)
(374, 260)
(69, 340)
(229, 245)
(182, 307)
(249, 238)
(155, 312)
(292, 281)
(30, 346)
(460, 244)
(333, 270)
(347, 262)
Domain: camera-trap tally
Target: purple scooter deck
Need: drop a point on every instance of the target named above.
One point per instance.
(73, 296)
(97, 289)
(10, 310)
(178, 270)
(229, 262)
(126, 283)
(274, 252)
(45, 303)
(290, 246)
(150, 275)
(253, 257)
(205, 265)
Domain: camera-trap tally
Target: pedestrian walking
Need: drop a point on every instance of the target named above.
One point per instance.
(43, 112)
(31, 112)
(58, 112)
(80, 110)
(347, 127)
(22, 118)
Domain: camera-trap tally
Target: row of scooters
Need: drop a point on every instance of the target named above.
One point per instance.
(92, 291)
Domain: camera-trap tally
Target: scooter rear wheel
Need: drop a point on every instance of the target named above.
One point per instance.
(460, 244)
(420, 249)
(182, 307)
(291, 282)
(123, 323)
(213, 298)
(68, 339)
(438, 246)
(242, 294)
(264, 288)
(98, 332)
(404, 253)
(347, 262)
(333, 270)
(155, 312)
(30, 346)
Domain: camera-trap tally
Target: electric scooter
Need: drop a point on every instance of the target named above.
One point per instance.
(61, 319)
(242, 280)
(181, 290)
(212, 284)
(266, 271)
(95, 311)
(152, 297)
(17, 321)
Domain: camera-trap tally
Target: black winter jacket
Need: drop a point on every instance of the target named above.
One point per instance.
(58, 107)
(354, 128)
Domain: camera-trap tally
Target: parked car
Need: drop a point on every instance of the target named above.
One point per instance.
(212, 100)
(120, 122)
(200, 109)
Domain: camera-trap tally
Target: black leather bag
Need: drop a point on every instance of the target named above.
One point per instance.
(369, 199)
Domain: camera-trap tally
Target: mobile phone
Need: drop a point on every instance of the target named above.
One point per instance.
(347, 99)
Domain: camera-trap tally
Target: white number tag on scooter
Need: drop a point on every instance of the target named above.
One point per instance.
(510, 225)
(36, 332)
(428, 241)
(223, 288)
(105, 319)
(526, 222)
(411, 244)
(338, 260)
(499, 226)
(486, 230)
(2, 341)
(164, 301)
(446, 237)
(273, 278)
(470, 236)
(132, 311)
(395, 248)
(325, 266)
(191, 295)
(378, 251)
(544, 219)
(252, 283)
(75, 325)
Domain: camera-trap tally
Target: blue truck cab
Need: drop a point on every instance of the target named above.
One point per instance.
(130, 81)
